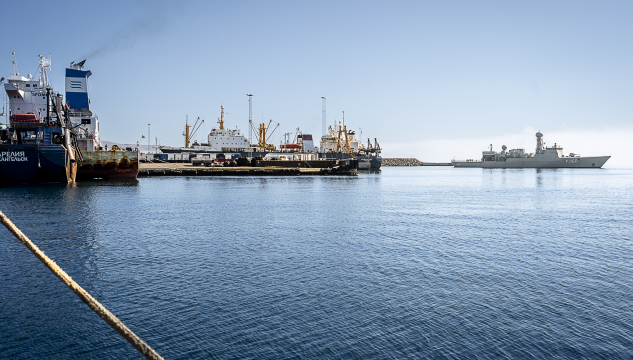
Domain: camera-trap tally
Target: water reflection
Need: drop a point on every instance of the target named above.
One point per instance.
(371, 171)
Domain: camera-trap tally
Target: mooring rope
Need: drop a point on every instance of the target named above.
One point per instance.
(103, 313)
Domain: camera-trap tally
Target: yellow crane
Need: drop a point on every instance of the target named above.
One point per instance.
(221, 119)
(263, 135)
(189, 134)
(342, 130)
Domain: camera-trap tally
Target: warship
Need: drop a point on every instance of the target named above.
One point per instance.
(544, 157)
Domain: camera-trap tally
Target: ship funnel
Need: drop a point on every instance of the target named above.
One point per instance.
(77, 66)
(77, 86)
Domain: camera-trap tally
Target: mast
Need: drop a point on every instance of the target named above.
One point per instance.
(187, 132)
(539, 141)
(338, 138)
(250, 118)
(221, 119)
(262, 136)
(346, 137)
(44, 64)
(15, 64)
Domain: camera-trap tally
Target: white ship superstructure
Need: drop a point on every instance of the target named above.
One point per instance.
(219, 139)
(339, 139)
(302, 143)
(342, 143)
(28, 96)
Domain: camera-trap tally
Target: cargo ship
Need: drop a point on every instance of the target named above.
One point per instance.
(551, 157)
(38, 143)
(219, 140)
(48, 140)
(341, 143)
(98, 162)
(338, 144)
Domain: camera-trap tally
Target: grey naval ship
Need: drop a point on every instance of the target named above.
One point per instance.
(544, 157)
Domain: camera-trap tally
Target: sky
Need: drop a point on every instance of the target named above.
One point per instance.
(434, 80)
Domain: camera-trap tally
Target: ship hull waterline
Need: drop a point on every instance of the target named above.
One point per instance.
(110, 165)
(28, 164)
(595, 162)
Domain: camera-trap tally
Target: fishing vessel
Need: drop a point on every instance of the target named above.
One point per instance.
(38, 144)
(543, 157)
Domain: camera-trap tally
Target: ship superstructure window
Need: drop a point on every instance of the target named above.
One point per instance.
(28, 85)
(34, 85)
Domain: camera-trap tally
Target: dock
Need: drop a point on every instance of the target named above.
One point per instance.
(184, 169)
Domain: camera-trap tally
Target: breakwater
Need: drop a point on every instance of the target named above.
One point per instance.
(401, 162)
(410, 162)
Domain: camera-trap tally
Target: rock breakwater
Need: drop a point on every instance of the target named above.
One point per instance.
(401, 162)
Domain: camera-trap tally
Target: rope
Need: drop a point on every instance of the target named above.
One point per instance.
(103, 313)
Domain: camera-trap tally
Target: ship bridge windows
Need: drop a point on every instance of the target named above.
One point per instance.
(28, 85)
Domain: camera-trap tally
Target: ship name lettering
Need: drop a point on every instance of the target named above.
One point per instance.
(13, 156)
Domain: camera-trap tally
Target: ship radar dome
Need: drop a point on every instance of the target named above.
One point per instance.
(538, 134)
(504, 148)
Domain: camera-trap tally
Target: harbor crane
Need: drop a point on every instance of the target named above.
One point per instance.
(189, 134)
(263, 134)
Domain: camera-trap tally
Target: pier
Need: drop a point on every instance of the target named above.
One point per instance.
(180, 169)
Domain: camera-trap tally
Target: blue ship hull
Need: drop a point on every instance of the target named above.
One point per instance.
(28, 163)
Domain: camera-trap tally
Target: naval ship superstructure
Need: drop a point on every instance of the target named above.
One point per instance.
(543, 157)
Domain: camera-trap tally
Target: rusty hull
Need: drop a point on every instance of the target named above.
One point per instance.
(108, 165)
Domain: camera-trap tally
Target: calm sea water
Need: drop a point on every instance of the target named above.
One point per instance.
(408, 263)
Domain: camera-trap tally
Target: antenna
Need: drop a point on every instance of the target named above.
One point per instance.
(250, 119)
(15, 64)
(323, 111)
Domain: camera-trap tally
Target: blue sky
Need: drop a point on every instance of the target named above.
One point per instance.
(410, 73)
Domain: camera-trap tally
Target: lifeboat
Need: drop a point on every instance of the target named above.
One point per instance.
(24, 118)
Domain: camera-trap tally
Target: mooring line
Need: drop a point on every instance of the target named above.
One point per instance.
(99, 309)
